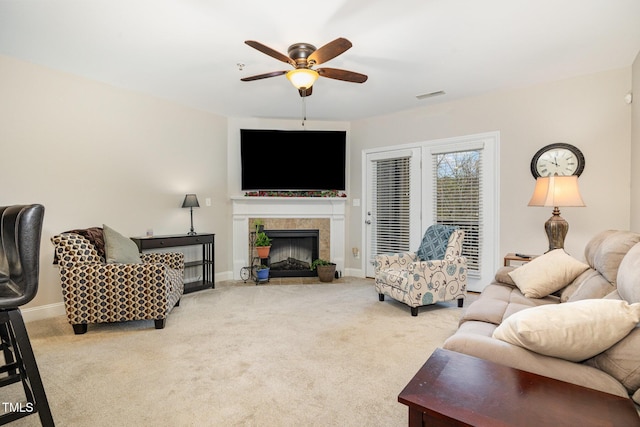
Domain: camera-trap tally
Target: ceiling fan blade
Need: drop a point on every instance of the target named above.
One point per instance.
(347, 76)
(263, 76)
(271, 52)
(306, 91)
(329, 51)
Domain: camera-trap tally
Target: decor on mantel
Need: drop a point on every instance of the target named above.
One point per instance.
(326, 270)
(191, 201)
(311, 193)
(556, 191)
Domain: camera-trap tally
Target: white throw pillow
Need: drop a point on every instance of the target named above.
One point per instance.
(547, 273)
(573, 331)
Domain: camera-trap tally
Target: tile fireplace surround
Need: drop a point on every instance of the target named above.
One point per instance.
(275, 209)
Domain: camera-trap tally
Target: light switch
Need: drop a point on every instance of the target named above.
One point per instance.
(207, 201)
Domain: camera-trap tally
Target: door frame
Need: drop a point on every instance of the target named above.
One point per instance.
(491, 186)
(415, 185)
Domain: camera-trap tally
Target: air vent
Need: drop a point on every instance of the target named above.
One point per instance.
(430, 95)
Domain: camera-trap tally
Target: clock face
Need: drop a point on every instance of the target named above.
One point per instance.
(557, 159)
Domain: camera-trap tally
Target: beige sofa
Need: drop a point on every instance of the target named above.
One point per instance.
(489, 327)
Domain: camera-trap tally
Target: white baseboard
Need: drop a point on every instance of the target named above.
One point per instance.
(354, 272)
(226, 275)
(43, 312)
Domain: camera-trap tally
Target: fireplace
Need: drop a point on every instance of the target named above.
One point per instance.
(326, 214)
(292, 252)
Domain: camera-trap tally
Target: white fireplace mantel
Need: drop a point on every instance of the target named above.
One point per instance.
(244, 208)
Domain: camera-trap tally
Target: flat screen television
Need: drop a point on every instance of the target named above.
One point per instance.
(293, 160)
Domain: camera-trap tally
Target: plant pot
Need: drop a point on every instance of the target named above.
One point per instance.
(263, 274)
(263, 251)
(326, 273)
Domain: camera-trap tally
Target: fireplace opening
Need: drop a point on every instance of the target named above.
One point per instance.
(292, 252)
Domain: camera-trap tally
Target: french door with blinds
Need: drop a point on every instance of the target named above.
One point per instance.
(393, 203)
(449, 182)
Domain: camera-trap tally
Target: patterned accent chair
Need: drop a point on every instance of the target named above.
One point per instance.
(98, 292)
(418, 278)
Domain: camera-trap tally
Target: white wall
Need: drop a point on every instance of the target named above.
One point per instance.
(94, 154)
(635, 147)
(588, 112)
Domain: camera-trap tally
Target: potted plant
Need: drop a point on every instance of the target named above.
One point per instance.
(326, 270)
(263, 244)
(262, 273)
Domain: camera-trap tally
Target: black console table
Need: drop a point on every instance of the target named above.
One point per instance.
(207, 262)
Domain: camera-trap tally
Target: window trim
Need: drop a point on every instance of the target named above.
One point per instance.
(489, 144)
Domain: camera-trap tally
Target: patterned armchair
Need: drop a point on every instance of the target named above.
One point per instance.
(99, 292)
(436, 272)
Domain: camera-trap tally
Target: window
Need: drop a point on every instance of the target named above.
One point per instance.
(458, 199)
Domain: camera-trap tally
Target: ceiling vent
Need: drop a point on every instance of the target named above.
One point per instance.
(431, 95)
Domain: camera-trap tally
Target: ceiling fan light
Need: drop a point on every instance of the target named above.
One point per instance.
(302, 77)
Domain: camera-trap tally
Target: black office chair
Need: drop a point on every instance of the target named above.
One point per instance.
(20, 232)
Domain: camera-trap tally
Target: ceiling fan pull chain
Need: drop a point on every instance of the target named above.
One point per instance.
(304, 111)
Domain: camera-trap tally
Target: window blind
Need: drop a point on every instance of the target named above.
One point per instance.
(390, 203)
(458, 199)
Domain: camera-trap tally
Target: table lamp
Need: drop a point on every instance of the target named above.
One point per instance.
(191, 201)
(556, 191)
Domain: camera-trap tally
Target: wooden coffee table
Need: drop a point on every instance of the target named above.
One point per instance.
(453, 389)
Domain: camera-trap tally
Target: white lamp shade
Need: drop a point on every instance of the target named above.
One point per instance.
(556, 191)
(302, 78)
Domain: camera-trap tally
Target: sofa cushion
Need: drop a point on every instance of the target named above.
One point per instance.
(588, 285)
(573, 331)
(621, 361)
(592, 246)
(499, 301)
(502, 275)
(547, 273)
(628, 280)
(118, 248)
(609, 250)
(72, 248)
(434, 242)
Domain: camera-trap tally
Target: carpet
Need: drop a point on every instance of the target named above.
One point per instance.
(244, 355)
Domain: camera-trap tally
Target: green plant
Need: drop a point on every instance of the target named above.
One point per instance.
(263, 267)
(262, 239)
(258, 223)
(318, 262)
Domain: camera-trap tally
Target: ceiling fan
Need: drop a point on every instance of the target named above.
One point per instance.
(303, 57)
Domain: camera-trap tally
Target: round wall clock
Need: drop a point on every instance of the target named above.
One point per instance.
(557, 159)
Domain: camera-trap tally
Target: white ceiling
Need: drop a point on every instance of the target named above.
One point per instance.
(188, 50)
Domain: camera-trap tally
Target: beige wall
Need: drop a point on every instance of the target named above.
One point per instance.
(635, 147)
(94, 154)
(587, 111)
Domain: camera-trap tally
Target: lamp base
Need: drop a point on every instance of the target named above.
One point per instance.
(556, 228)
(191, 232)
